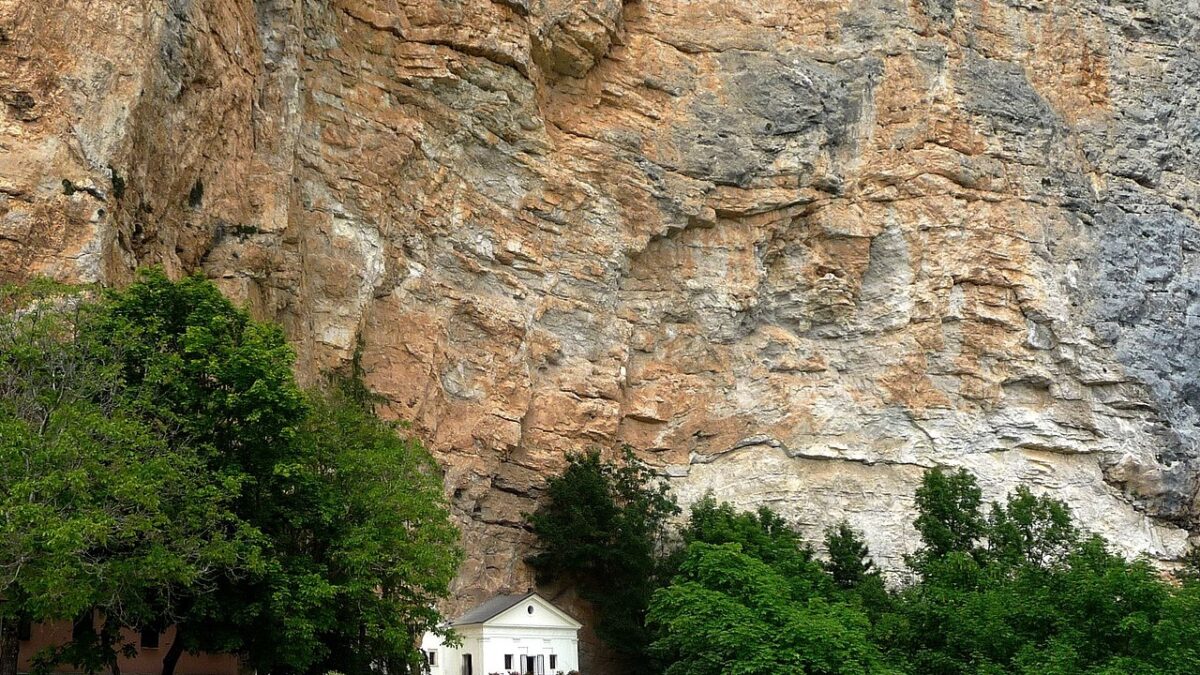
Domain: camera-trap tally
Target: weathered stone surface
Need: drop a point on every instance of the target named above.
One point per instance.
(794, 252)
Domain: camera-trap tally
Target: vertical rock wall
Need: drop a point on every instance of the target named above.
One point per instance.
(795, 252)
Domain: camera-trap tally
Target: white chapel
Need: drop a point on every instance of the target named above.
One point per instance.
(523, 634)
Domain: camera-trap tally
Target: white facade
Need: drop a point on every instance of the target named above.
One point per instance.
(508, 634)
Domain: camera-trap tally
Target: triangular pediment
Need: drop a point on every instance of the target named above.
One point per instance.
(530, 609)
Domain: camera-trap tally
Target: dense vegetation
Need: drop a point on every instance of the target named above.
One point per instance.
(601, 524)
(159, 465)
(1014, 587)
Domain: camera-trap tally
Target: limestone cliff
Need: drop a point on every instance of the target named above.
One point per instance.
(795, 251)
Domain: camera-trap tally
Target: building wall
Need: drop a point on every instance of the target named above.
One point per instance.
(147, 661)
(500, 640)
(488, 645)
(447, 661)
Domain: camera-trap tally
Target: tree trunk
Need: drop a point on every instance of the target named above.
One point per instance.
(10, 646)
(171, 658)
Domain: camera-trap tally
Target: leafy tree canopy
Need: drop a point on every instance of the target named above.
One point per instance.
(850, 562)
(161, 464)
(1023, 592)
(600, 527)
(950, 517)
(730, 612)
(763, 535)
(100, 509)
(1019, 590)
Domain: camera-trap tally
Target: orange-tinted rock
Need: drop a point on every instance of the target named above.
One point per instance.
(795, 252)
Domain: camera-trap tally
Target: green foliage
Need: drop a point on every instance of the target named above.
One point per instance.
(730, 612)
(1028, 594)
(391, 550)
(850, 562)
(763, 535)
(1174, 644)
(242, 232)
(98, 508)
(350, 508)
(161, 464)
(853, 571)
(1020, 591)
(207, 372)
(16, 298)
(749, 597)
(599, 528)
(1095, 613)
(118, 183)
(1190, 571)
(950, 517)
(1031, 529)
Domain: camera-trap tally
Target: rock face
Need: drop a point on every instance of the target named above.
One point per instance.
(793, 252)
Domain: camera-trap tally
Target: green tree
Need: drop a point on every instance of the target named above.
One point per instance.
(730, 613)
(98, 509)
(600, 528)
(359, 541)
(949, 517)
(1030, 529)
(208, 373)
(761, 534)
(1175, 642)
(1027, 594)
(850, 561)
(854, 572)
(306, 533)
(213, 378)
(391, 549)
